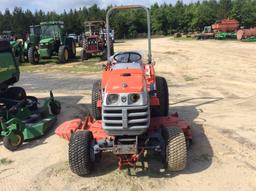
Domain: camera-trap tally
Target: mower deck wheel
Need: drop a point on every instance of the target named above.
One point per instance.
(55, 107)
(176, 149)
(96, 95)
(81, 153)
(13, 145)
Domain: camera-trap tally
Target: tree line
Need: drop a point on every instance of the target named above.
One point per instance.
(165, 18)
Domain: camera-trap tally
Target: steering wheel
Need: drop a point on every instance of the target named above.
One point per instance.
(127, 57)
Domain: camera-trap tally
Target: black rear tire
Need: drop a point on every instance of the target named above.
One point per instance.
(71, 47)
(63, 54)
(163, 96)
(12, 146)
(96, 95)
(112, 50)
(33, 55)
(104, 54)
(81, 154)
(83, 55)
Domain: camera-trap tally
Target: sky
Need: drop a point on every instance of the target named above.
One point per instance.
(61, 5)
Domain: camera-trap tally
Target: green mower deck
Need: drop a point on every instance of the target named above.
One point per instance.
(225, 35)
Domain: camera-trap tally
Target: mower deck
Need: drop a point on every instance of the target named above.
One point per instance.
(66, 130)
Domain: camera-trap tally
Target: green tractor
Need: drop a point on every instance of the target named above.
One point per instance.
(22, 117)
(32, 39)
(53, 42)
(16, 44)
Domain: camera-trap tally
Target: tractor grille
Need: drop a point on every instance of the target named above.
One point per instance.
(125, 120)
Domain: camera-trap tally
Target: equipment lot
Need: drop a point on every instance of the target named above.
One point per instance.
(211, 85)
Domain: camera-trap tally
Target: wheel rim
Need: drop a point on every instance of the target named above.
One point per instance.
(66, 54)
(17, 142)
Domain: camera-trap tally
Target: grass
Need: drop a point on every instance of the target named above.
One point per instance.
(76, 66)
(5, 161)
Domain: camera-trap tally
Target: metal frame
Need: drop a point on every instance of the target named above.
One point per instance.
(148, 24)
(89, 24)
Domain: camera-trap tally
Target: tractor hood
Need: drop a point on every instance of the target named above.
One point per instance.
(46, 40)
(124, 81)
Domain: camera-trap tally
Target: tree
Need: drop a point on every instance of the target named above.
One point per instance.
(166, 18)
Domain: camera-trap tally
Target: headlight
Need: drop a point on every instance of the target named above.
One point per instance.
(133, 98)
(112, 98)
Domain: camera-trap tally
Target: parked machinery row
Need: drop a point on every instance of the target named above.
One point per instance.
(49, 39)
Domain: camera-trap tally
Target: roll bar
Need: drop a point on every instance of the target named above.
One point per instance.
(148, 24)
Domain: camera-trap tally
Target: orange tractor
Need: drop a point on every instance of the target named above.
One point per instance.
(130, 107)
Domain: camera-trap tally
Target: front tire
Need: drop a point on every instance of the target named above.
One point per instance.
(13, 145)
(33, 55)
(176, 149)
(81, 154)
(63, 54)
(96, 95)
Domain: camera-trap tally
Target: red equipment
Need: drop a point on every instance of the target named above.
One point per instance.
(226, 25)
(66, 130)
(130, 115)
(94, 42)
(246, 33)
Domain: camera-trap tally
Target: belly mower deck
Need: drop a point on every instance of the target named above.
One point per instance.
(68, 128)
